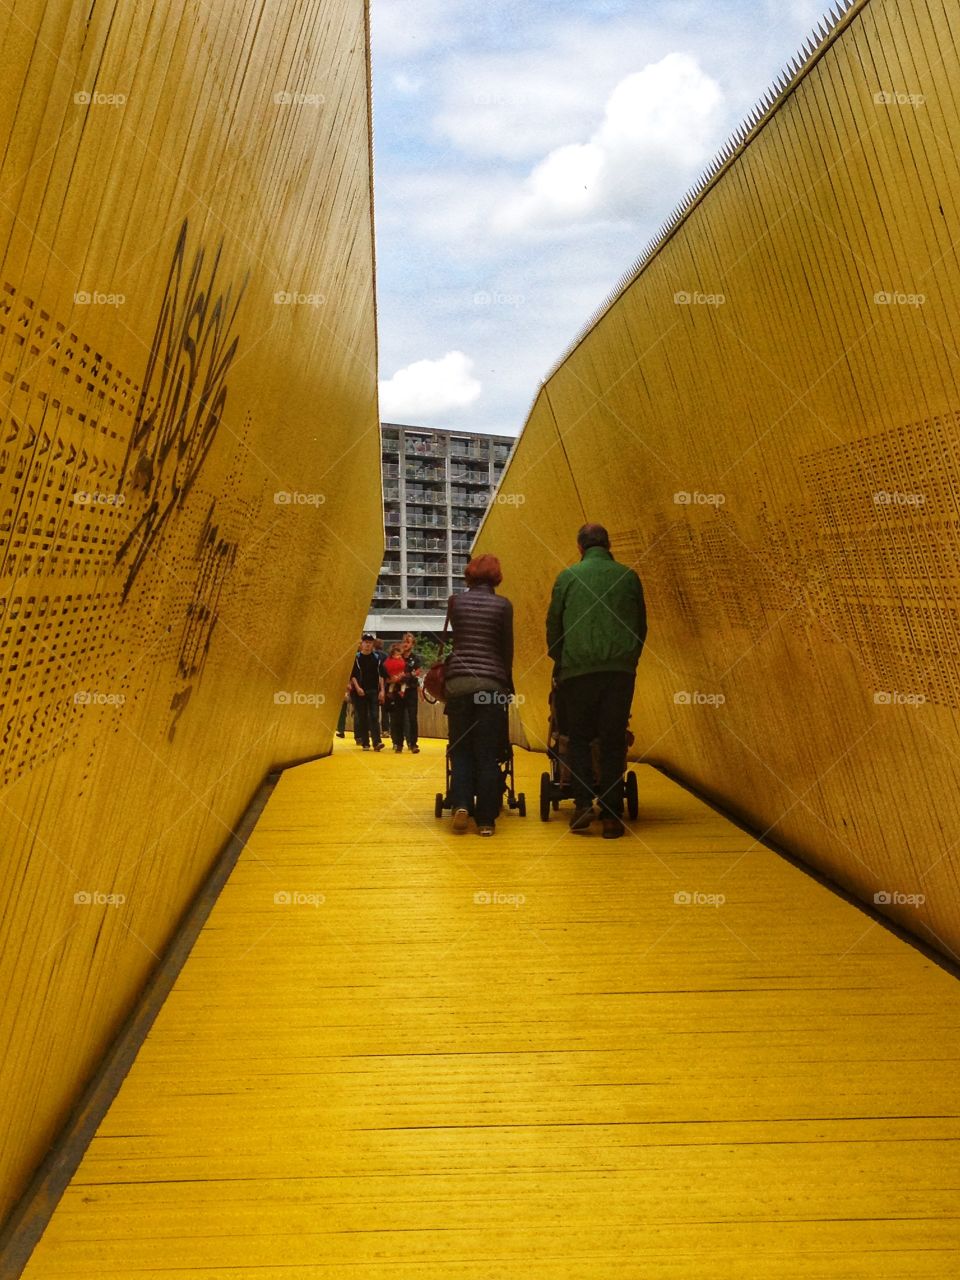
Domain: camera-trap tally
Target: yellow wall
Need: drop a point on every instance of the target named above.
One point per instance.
(167, 640)
(791, 584)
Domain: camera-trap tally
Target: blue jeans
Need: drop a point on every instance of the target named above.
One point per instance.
(478, 740)
(366, 718)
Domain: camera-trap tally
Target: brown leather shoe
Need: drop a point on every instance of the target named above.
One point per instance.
(613, 828)
(580, 822)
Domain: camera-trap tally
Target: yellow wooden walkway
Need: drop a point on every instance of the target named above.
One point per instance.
(396, 1053)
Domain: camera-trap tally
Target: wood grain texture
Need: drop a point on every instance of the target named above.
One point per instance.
(767, 420)
(190, 525)
(397, 1051)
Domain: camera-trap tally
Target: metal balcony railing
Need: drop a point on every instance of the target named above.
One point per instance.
(427, 571)
(416, 542)
(423, 520)
(415, 471)
(424, 449)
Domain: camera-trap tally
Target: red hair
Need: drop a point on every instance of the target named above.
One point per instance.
(483, 569)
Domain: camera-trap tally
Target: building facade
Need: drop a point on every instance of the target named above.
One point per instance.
(436, 487)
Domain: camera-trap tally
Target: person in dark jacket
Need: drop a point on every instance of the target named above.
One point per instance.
(479, 682)
(596, 628)
(366, 683)
(411, 695)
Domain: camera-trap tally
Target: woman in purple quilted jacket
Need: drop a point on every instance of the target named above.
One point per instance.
(479, 683)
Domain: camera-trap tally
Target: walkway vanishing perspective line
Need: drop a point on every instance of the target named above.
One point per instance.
(397, 1052)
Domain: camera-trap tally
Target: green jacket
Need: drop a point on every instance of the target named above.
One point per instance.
(597, 620)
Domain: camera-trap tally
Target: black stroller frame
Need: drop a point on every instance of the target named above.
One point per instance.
(557, 785)
(515, 800)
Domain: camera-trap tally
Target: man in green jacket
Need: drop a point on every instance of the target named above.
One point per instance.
(596, 627)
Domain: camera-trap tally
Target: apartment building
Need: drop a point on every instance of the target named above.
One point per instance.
(436, 487)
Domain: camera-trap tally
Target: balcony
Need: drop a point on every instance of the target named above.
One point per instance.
(391, 493)
(416, 472)
(425, 520)
(416, 542)
(391, 517)
(468, 451)
(427, 571)
(386, 593)
(436, 498)
(393, 542)
(480, 500)
(465, 475)
(423, 449)
(427, 593)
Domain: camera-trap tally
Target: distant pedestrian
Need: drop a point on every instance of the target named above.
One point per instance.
(479, 682)
(412, 693)
(366, 683)
(394, 671)
(596, 628)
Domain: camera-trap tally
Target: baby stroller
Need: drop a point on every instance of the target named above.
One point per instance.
(557, 785)
(515, 800)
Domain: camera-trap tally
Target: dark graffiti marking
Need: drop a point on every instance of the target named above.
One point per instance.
(182, 399)
(217, 558)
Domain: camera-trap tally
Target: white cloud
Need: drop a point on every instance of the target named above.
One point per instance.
(408, 85)
(660, 124)
(429, 387)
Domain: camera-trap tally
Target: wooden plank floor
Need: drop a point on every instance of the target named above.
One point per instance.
(522, 1057)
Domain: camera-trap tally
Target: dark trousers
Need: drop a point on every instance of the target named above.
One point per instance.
(478, 735)
(598, 706)
(342, 722)
(366, 718)
(411, 728)
(395, 716)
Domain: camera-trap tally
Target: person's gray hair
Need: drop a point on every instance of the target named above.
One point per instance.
(593, 535)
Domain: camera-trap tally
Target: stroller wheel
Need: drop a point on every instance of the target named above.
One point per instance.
(522, 805)
(438, 805)
(545, 784)
(632, 796)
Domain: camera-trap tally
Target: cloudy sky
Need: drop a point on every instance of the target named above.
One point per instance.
(526, 152)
